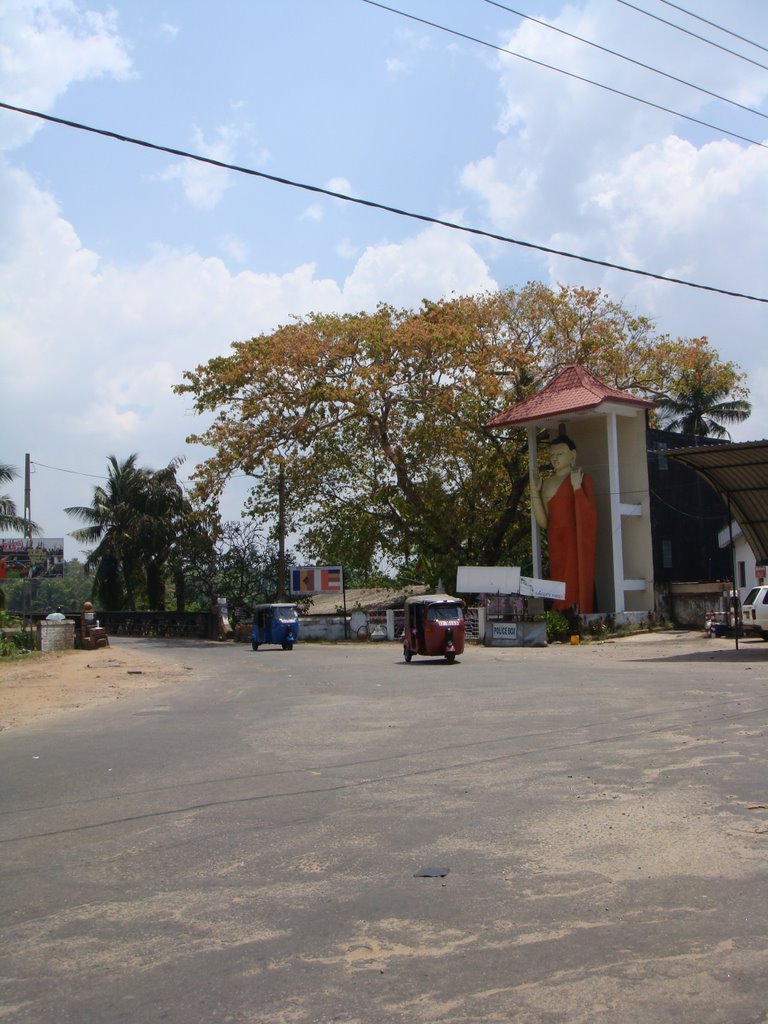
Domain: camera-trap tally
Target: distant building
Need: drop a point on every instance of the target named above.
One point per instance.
(687, 516)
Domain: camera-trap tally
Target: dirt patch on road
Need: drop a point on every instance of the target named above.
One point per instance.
(57, 682)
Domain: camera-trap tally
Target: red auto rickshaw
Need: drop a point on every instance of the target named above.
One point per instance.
(434, 625)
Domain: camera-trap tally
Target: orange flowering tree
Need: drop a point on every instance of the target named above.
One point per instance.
(377, 420)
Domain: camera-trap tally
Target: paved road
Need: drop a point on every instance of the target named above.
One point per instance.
(242, 846)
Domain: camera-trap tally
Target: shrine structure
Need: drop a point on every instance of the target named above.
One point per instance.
(608, 428)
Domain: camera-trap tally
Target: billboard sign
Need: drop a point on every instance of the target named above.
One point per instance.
(488, 579)
(42, 558)
(317, 579)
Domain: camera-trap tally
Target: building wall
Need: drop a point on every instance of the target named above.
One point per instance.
(686, 515)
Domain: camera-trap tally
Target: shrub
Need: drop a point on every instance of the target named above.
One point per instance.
(558, 627)
(20, 641)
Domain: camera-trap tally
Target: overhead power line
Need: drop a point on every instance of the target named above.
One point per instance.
(568, 74)
(425, 218)
(688, 32)
(720, 28)
(629, 60)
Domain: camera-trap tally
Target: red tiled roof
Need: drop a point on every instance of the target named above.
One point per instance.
(574, 389)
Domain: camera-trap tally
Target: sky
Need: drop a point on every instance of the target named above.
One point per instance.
(122, 266)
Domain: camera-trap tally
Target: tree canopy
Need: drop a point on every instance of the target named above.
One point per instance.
(378, 419)
(705, 397)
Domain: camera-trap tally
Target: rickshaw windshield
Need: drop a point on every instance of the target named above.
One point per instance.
(285, 612)
(445, 613)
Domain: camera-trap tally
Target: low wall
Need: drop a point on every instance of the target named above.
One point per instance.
(323, 627)
(56, 635)
(515, 634)
(687, 604)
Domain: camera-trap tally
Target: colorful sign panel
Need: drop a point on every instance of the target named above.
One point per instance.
(42, 559)
(317, 579)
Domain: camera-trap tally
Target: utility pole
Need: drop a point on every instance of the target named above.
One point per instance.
(26, 591)
(28, 499)
(281, 534)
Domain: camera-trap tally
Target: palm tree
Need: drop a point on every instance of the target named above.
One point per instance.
(112, 521)
(135, 521)
(702, 409)
(10, 520)
(163, 509)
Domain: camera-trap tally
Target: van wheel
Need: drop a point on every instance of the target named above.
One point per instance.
(254, 645)
(450, 657)
(287, 646)
(407, 653)
(764, 634)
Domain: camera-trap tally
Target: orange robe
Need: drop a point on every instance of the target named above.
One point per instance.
(571, 537)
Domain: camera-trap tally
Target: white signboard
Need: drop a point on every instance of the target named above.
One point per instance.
(530, 587)
(503, 631)
(488, 579)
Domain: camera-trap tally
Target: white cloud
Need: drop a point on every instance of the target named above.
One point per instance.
(313, 212)
(341, 185)
(204, 185)
(233, 248)
(435, 262)
(395, 66)
(44, 47)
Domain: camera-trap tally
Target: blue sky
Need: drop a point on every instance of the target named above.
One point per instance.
(121, 267)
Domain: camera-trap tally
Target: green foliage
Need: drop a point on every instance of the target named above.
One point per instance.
(598, 629)
(14, 638)
(558, 627)
(241, 566)
(44, 594)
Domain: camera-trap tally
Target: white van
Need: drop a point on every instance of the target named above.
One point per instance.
(754, 612)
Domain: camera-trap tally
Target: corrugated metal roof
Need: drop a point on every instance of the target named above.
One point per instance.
(739, 473)
(574, 389)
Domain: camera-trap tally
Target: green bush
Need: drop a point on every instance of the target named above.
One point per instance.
(558, 627)
(17, 642)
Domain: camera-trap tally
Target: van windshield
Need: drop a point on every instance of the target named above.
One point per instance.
(285, 611)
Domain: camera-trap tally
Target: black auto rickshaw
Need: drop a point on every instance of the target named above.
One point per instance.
(275, 624)
(434, 624)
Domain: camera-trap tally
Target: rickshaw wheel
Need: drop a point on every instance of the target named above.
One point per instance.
(287, 646)
(450, 657)
(407, 653)
(254, 645)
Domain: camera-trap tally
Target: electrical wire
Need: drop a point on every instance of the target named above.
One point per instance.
(73, 472)
(370, 204)
(688, 32)
(720, 28)
(629, 60)
(568, 74)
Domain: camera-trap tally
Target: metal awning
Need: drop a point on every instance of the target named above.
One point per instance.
(739, 474)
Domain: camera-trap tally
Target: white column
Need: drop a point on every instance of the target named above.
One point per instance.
(533, 464)
(617, 552)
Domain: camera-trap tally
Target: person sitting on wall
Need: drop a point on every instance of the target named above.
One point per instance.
(563, 504)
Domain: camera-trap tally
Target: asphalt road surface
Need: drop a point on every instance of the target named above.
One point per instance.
(244, 844)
